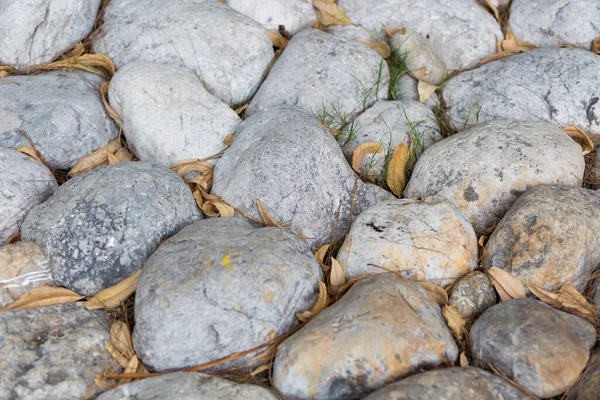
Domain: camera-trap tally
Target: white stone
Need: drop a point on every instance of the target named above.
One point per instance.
(294, 15)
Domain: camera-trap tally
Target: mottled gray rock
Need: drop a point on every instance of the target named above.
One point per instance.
(484, 169)
(550, 23)
(357, 32)
(461, 32)
(554, 85)
(228, 51)
(24, 183)
(320, 72)
(99, 227)
(187, 386)
(428, 239)
(179, 120)
(37, 31)
(52, 352)
(389, 123)
(218, 287)
(422, 60)
(537, 346)
(473, 294)
(23, 266)
(384, 328)
(588, 386)
(450, 384)
(294, 15)
(61, 112)
(549, 237)
(289, 161)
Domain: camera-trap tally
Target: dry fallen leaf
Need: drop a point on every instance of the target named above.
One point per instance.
(43, 296)
(508, 47)
(584, 141)
(507, 286)
(228, 139)
(29, 151)
(381, 47)
(266, 217)
(455, 320)
(110, 154)
(494, 10)
(568, 299)
(361, 151)
(278, 40)
(116, 354)
(437, 292)
(396, 173)
(425, 90)
(596, 46)
(103, 384)
(115, 295)
(217, 209)
(321, 253)
(120, 336)
(320, 304)
(328, 13)
(337, 275)
(464, 361)
(392, 31)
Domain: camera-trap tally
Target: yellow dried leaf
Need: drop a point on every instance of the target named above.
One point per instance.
(396, 173)
(278, 40)
(14, 238)
(464, 361)
(482, 240)
(337, 275)
(507, 286)
(567, 299)
(262, 368)
(392, 31)
(3, 74)
(322, 252)
(425, 90)
(584, 141)
(29, 151)
(596, 46)
(43, 296)
(328, 13)
(228, 139)
(116, 354)
(494, 10)
(120, 336)
(96, 159)
(217, 209)
(512, 45)
(103, 384)
(455, 320)
(109, 110)
(132, 365)
(381, 47)
(321, 303)
(115, 295)
(362, 151)
(437, 292)
(266, 218)
(123, 155)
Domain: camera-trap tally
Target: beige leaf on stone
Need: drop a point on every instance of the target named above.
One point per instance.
(120, 336)
(29, 151)
(321, 303)
(463, 360)
(512, 45)
(132, 365)
(109, 110)
(96, 159)
(103, 384)
(507, 286)
(228, 139)
(266, 217)
(425, 90)
(568, 299)
(584, 141)
(361, 151)
(437, 292)
(337, 275)
(217, 209)
(116, 354)
(328, 13)
(278, 40)
(392, 31)
(321, 253)
(262, 368)
(596, 46)
(3, 74)
(455, 320)
(381, 47)
(43, 296)
(396, 172)
(115, 295)
(494, 10)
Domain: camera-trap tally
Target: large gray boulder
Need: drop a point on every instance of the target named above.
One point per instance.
(61, 112)
(294, 15)
(99, 227)
(37, 31)
(218, 287)
(180, 120)
(484, 169)
(284, 157)
(228, 51)
(24, 183)
(52, 352)
(554, 85)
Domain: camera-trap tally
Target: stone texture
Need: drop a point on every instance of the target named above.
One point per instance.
(550, 23)
(484, 169)
(554, 85)
(228, 51)
(450, 384)
(100, 226)
(537, 346)
(549, 237)
(179, 120)
(384, 328)
(422, 60)
(289, 161)
(389, 123)
(356, 32)
(407, 89)
(24, 183)
(473, 294)
(588, 386)
(320, 72)
(461, 32)
(52, 352)
(37, 31)
(422, 239)
(187, 386)
(61, 112)
(218, 287)
(23, 266)
(294, 15)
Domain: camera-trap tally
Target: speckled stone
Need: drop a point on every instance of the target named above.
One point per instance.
(473, 294)
(422, 60)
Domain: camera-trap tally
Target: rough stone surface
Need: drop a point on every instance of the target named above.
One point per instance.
(52, 352)
(228, 51)
(179, 120)
(320, 72)
(61, 112)
(541, 348)
(37, 31)
(461, 32)
(24, 183)
(294, 15)
(384, 328)
(356, 32)
(389, 123)
(218, 287)
(100, 227)
(187, 386)
(289, 161)
(23, 266)
(549, 237)
(588, 386)
(554, 85)
(484, 169)
(450, 384)
(550, 23)
(473, 294)
(428, 239)
(421, 58)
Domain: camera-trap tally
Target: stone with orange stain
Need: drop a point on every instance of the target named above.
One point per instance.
(549, 237)
(423, 239)
(485, 168)
(540, 348)
(382, 329)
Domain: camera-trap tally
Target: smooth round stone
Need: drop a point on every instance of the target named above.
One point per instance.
(293, 15)
(473, 294)
(422, 60)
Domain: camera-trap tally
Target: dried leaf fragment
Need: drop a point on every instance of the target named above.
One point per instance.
(328, 13)
(362, 151)
(279, 41)
(29, 151)
(425, 90)
(455, 320)
(120, 336)
(321, 303)
(115, 295)
(43, 296)
(437, 292)
(116, 354)
(266, 217)
(568, 299)
(396, 173)
(322, 253)
(463, 360)
(596, 46)
(110, 154)
(337, 275)
(392, 31)
(584, 141)
(507, 286)
(381, 47)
